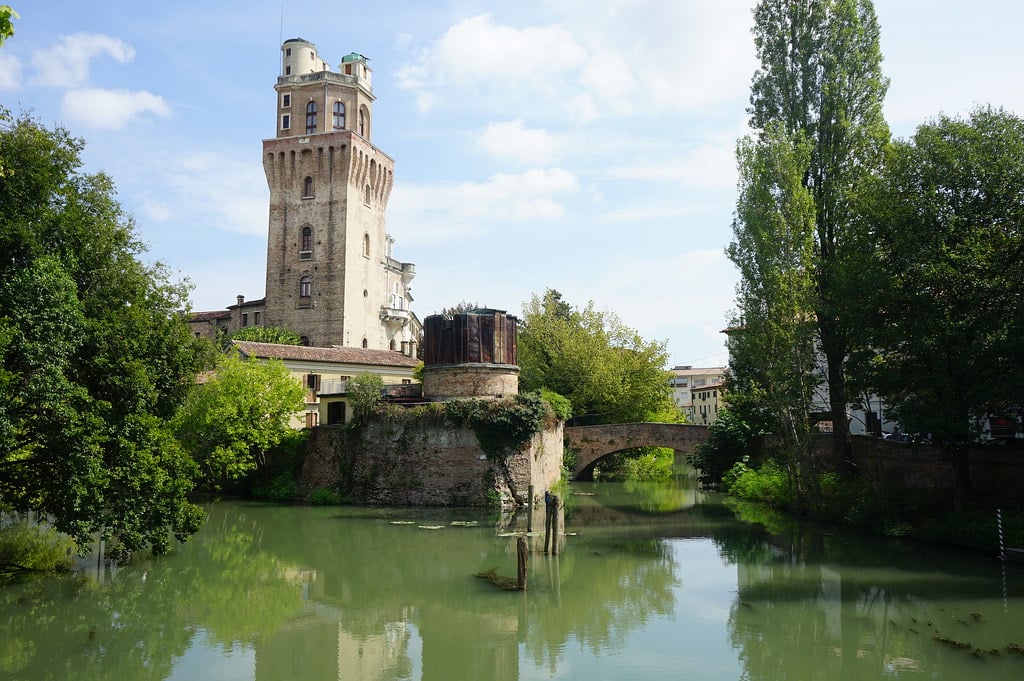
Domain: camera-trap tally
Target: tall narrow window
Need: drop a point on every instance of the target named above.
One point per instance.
(307, 240)
(286, 100)
(362, 123)
(307, 188)
(366, 245)
(305, 291)
(311, 118)
(286, 122)
(339, 116)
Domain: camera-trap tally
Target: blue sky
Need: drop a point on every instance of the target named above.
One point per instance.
(581, 146)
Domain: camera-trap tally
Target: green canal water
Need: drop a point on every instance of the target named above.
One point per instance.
(650, 582)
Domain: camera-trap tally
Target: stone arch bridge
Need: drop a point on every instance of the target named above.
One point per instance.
(593, 443)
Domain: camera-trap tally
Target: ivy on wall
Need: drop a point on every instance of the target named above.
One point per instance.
(500, 426)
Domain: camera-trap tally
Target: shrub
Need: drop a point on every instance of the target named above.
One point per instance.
(281, 488)
(729, 440)
(365, 392)
(639, 464)
(323, 496)
(767, 484)
(24, 550)
(560, 405)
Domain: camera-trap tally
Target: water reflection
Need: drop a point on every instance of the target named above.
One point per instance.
(649, 582)
(853, 607)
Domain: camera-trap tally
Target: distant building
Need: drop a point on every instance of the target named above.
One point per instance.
(685, 379)
(707, 400)
(871, 417)
(330, 275)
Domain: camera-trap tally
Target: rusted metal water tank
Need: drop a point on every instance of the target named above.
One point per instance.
(470, 354)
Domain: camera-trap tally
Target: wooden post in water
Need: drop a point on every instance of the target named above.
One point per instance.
(521, 555)
(554, 528)
(550, 522)
(529, 511)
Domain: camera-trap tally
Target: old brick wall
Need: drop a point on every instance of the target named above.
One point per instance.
(995, 471)
(391, 463)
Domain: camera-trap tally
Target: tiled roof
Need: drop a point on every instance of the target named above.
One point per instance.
(208, 316)
(337, 354)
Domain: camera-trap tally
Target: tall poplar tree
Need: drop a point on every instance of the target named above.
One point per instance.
(820, 78)
(773, 372)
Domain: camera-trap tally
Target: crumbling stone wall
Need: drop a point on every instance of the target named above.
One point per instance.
(391, 463)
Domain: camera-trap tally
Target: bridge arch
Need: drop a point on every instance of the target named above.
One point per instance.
(593, 443)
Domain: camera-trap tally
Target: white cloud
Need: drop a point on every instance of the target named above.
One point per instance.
(435, 212)
(626, 59)
(66, 64)
(111, 109)
(512, 141)
(10, 72)
(477, 54)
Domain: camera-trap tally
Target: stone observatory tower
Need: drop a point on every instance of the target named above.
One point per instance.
(470, 354)
(331, 274)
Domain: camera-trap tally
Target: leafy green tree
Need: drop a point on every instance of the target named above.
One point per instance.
(365, 392)
(729, 440)
(946, 221)
(772, 340)
(7, 15)
(232, 420)
(462, 306)
(609, 373)
(820, 79)
(94, 355)
(264, 334)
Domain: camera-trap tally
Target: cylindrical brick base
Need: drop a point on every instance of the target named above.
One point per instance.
(470, 380)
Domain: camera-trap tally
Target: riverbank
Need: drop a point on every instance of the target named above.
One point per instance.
(854, 503)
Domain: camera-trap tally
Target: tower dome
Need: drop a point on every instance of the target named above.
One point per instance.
(300, 57)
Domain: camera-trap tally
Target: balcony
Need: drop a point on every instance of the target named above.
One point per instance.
(394, 315)
(333, 386)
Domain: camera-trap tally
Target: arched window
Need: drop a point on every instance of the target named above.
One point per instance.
(311, 118)
(367, 193)
(392, 344)
(362, 122)
(339, 116)
(307, 240)
(366, 344)
(305, 290)
(366, 245)
(307, 188)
